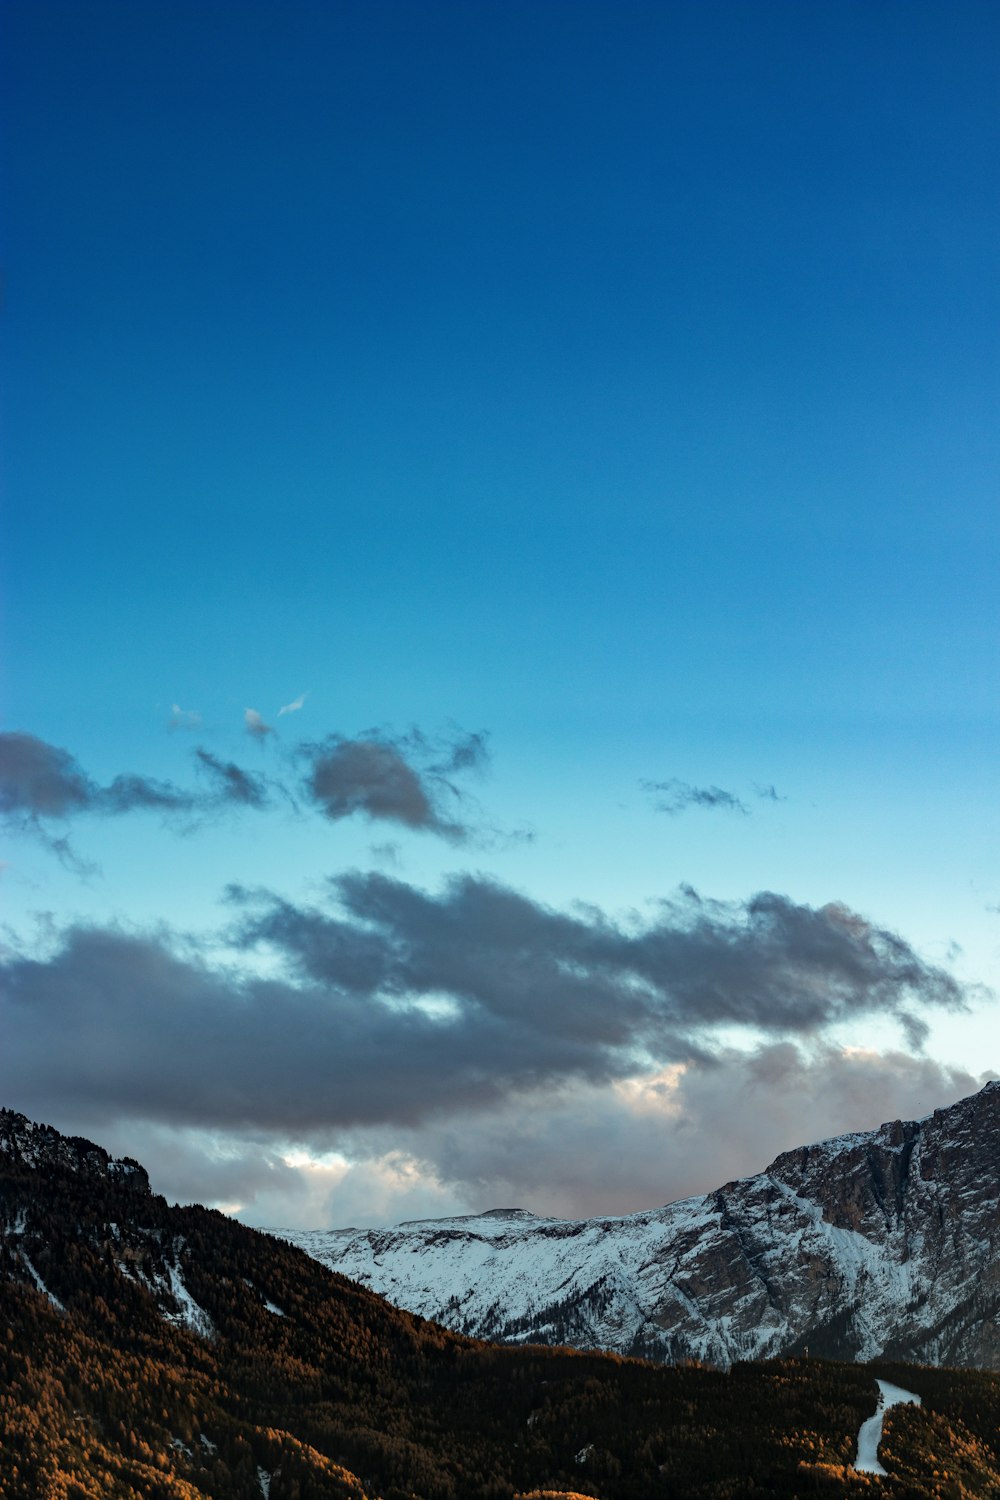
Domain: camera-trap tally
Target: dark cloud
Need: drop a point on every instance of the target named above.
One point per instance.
(466, 752)
(386, 853)
(115, 1024)
(396, 779)
(366, 776)
(768, 962)
(38, 780)
(40, 783)
(232, 783)
(408, 780)
(397, 1006)
(575, 1150)
(674, 796)
(139, 794)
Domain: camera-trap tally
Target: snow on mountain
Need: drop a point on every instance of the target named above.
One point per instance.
(879, 1242)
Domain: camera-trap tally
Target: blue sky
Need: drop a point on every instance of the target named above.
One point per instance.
(617, 380)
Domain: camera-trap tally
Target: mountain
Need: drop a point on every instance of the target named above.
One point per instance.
(880, 1243)
(150, 1352)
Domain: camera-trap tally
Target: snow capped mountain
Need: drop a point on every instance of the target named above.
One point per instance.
(880, 1242)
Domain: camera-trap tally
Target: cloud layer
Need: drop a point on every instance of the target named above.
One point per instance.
(42, 781)
(464, 1048)
(395, 1006)
(768, 963)
(576, 1151)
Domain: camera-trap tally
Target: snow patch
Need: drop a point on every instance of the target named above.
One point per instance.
(871, 1431)
(272, 1307)
(189, 1314)
(40, 1284)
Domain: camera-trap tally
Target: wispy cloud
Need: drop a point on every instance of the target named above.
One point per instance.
(233, 784)
(676, 796)
(294, 706)
(39, 780)
(183, 718)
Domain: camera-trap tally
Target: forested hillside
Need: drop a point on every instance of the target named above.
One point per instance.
(170, 1353)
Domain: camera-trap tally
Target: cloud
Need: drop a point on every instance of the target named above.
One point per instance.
(40, 783)
(678, 795)
(654, 1138)
(183, 718)
(38, 780)
(576, 1150)
(254, 724)
(396, 779)
(464, 752)
(395, 1007)
(232, 783)
(768, 962)
(386, 853)
(370, 777)
(131, 793)
(410, 780)
(434, 1052)
(294, 706)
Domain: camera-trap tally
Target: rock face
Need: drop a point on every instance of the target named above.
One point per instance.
(885, 1242)
(28, 1147)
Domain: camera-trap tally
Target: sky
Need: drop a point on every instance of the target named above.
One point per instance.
(500, 533)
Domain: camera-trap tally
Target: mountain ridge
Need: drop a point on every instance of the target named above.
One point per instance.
(870, 1243)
